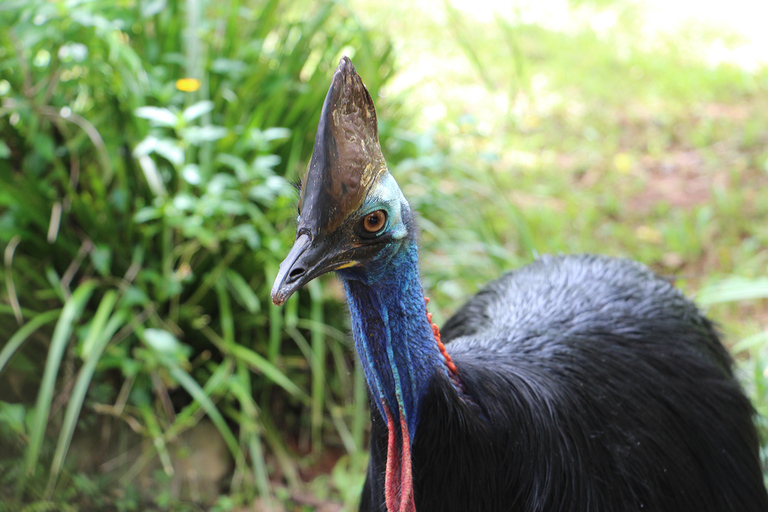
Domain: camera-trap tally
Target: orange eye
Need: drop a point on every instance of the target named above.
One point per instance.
(374, 222)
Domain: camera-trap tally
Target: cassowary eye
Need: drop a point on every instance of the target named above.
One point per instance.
(374, 222)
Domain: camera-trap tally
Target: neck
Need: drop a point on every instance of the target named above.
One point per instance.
(393, 336)
(400, 355)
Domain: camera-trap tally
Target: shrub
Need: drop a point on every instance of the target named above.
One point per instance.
(144, 212)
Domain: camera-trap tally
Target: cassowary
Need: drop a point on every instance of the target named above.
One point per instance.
(576, 383)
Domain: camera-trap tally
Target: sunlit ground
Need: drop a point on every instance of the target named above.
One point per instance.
(430, 65)
(629, 128)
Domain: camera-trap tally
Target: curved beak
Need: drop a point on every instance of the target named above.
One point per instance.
(306, 261)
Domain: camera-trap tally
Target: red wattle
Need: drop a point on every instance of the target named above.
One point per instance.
(398, 479)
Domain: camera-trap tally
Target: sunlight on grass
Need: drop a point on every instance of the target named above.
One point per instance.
(609, 125)
(636, 128)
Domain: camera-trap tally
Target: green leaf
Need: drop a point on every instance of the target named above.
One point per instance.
(158, 116)
(146, 214)
(5, 151)
(99, 334)
(154, 180)
(196, 110)
(265, 163)
(756, 340)
(191, 174)
(101, 257)
(196, 135)
(270, 371)
(199, 395)
(151, 7)
(170, 150)
(237, 164)
(12, 415)
(734, 289)
(23, 333)
(276, 133)
(61, 333)
(228, 66)
(164, 342)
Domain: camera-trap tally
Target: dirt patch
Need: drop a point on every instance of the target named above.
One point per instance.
(679, 179)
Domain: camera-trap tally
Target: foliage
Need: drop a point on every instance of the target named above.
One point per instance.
(598, 135)
(144, 208)
(755, 346)
(144, 211)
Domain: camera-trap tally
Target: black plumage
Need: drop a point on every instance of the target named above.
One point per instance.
(596, 386)
(574, 384)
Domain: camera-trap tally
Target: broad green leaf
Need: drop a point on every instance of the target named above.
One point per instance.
(265, 163)
(170, 150)
(191, 174)
(237, 164)
(154, 180)
(196, 135)
(146, 214)
(228, 66)
(158, 116)
(151, 7)
(164, 342)
(198, 109)
(276, 133)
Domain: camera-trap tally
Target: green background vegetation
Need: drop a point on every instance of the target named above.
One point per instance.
(142, 365)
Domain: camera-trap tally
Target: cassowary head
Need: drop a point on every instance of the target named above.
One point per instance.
(351, 211)
(354, 219)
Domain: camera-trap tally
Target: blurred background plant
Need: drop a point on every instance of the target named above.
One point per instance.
(142, 221)
(146, 153)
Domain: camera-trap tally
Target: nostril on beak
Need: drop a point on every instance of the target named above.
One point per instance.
(296, 273)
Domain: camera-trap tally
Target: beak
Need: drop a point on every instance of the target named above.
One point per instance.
(305, 261)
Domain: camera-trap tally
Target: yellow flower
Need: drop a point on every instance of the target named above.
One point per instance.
(188, 84)
(622, 162)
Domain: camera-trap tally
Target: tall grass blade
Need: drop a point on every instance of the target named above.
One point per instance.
(196, 392)
(99, 334)
(318, 368)
(734, 289)
(217, 383)
(69, 314)
(270, 371)
(250, 431)
(756, 340)
(24, 332)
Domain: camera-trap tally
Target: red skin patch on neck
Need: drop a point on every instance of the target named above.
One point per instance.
(398, 479)
(454, 372)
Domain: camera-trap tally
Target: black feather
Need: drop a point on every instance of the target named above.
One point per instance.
(602, 389)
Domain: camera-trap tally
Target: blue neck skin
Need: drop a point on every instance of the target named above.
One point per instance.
(392, 334)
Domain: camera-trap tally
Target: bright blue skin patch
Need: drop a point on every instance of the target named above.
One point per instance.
(392, 335)
(386, 195)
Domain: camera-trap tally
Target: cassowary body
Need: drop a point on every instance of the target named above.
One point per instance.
(577, 383)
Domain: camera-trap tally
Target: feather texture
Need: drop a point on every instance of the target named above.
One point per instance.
(601, 388)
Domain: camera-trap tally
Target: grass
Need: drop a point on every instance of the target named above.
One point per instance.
(592, 143)
(521, 138)
(615, 141)
(142, 222)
